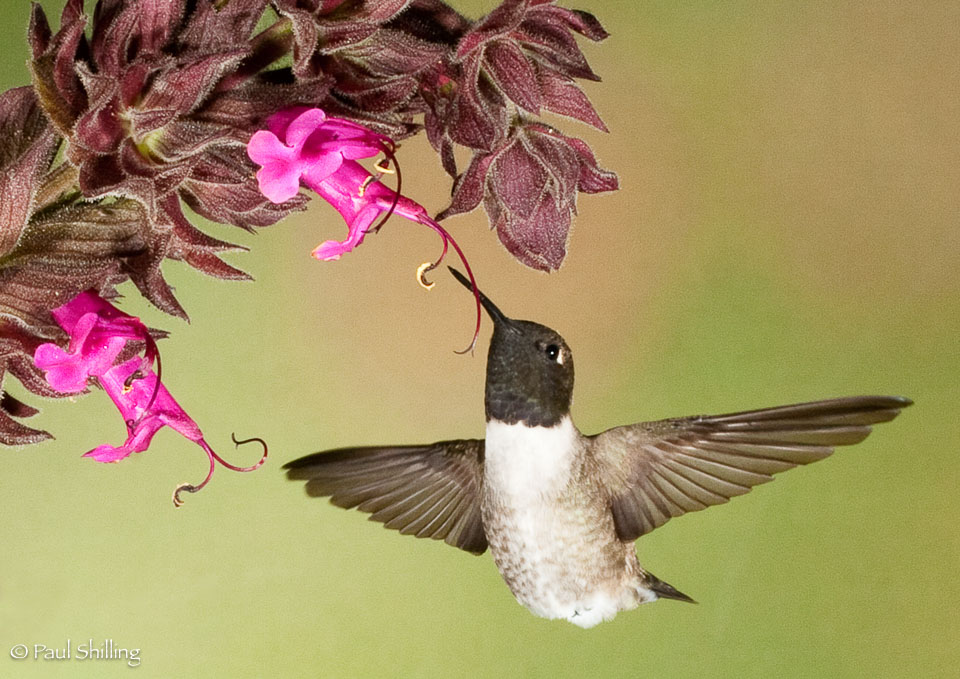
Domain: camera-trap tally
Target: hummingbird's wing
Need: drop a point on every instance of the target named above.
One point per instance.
(657, 470)
(430, 491)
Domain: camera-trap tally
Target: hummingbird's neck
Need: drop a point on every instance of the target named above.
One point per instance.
(510, 406)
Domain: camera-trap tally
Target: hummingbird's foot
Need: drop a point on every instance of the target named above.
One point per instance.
(587, 617)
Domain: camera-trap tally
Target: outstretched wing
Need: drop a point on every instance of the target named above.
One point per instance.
(657, 470)
(430, 491)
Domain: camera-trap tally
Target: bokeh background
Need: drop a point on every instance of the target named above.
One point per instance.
(787, 229)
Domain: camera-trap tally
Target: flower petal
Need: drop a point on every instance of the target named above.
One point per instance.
(130, 386)
(65, 371)
(99, 358)
(278, 183)
(280, 121)
(69, 315)
(318, 167)
(266, 148)
(81, 330)
(108, 453)
(303, 126)
(279, 176)
(137, 442)
(319, 170)
(332, 250)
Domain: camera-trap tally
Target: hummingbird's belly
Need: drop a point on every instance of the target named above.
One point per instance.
(553, 542)
(558, 567)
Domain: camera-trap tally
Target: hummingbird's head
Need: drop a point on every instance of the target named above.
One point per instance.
(529, 370)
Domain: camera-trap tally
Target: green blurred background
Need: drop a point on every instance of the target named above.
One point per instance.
(787, 229)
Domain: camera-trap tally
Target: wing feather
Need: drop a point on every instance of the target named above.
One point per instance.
(430, 491)
(655, 471)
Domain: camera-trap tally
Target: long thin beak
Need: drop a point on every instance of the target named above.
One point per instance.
(495, 313)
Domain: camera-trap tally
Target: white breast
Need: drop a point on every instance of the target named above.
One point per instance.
(529, 461)
(554, 552)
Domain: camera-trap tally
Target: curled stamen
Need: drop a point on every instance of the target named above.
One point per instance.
(447, 241)
(236, 443)
(445, 237)
(388, 150)
(426, 267)
(190, 488)
(422, 272)
(212, 455)
(362, 189)
(151, 351)
(156, 383)
(383, 166)
(128, 383)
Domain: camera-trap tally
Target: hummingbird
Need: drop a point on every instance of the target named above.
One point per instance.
(560, 511)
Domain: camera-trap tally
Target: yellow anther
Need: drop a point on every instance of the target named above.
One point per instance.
(366, 182)
(383, 166)
(421, 270)
(128, 383)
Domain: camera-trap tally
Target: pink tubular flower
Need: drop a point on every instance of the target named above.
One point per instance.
(99, 332)
(304, 145)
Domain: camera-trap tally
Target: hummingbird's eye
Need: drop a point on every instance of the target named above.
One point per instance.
(553, 351)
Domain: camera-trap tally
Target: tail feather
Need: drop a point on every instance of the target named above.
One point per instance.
(665, 590)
